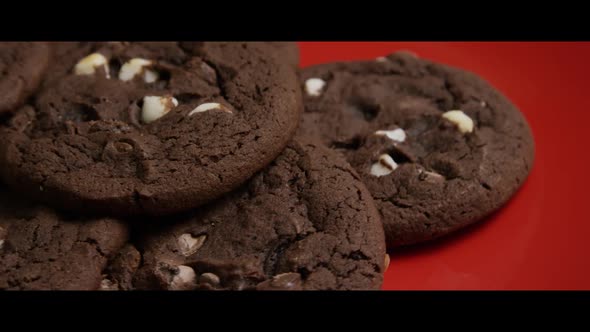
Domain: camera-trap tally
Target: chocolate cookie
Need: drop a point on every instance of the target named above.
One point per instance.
(438, 147)
(305, 222)
(22, 65)
(43, 250)
(150, 128)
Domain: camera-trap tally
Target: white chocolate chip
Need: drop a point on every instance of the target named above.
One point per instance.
(184, 279)
(188, 244)
(432, 177)
(381, 59)
(384, 166)
(283, 281)
(106, 284)
(209, 278)
(314, 86)
(396, 135)
(136, 66)
(88, 65)
(386, 262)
(207, 107)
(2, 237)
(463, 122)
(150, 76)
(287, 280)
(155, 107)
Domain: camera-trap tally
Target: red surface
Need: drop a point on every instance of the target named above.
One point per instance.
(541, 238)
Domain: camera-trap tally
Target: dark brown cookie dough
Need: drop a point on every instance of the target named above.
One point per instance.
(431, 171)
(150, 128)
(43, 250)
(22, 65)
(121, 269)
(305, 222)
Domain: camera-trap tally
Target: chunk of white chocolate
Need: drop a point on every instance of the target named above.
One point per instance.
(209, 278)
(463, 122)
(150, 76)
(314, 86)
(396, 135)
(2, 237)
(431, 177)
(185, 279)
(384, 166)
(188, 244)
(88, 65)
(381, 59)
(155, 107)
(135, 67)
(207, 107)
(107, 285)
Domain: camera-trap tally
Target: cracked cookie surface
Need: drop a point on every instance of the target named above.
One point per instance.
(22, 65)
(438, 147)
(305, 222)
(150, 128)
(44, 250)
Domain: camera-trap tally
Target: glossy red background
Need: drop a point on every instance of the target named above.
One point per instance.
(541, 238)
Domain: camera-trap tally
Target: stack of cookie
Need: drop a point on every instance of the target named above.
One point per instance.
(215, 165)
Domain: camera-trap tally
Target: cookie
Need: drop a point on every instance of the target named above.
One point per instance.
(150, 128)
(305, 222)
(438, 147)
(43, 250)
(22, 65)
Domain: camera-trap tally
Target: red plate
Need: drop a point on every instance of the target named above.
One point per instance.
(541, 238)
